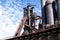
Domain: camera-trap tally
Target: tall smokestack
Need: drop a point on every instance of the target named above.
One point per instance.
(43, 12)
(49, 12)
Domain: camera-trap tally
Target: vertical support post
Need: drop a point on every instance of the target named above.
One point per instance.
(29, 17)
(28, 11)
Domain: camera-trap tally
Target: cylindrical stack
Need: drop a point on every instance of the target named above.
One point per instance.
(43, 12)
(49, 12)
(50, 17)
(43, 18)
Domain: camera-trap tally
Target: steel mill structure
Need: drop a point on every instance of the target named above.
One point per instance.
(50, 27)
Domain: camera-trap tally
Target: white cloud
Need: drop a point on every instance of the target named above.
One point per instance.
(1, 9)
(10, 16)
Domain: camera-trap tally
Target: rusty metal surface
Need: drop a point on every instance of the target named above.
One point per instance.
(28, 20)
(20, 26)
(48, 31)
(49, 34)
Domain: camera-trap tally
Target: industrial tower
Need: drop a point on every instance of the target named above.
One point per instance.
(50, 27)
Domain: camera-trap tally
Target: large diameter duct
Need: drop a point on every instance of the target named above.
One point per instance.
(43, 12)
(58, 7)
(49, 12)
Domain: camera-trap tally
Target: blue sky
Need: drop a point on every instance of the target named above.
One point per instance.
(33, 2)
(11, 12)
